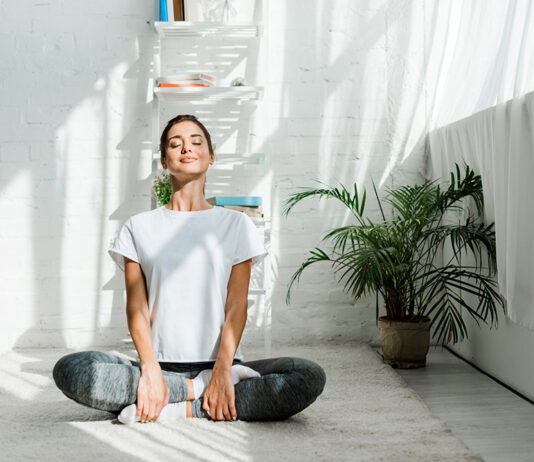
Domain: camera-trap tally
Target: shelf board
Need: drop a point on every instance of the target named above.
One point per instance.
(185, 29)
(210, 93)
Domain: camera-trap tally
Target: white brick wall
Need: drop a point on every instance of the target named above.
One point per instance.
(75, 152)
(334, 94)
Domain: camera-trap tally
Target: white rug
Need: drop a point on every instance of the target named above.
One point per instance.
(365, 413)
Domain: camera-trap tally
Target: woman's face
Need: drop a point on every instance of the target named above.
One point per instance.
(187, 150)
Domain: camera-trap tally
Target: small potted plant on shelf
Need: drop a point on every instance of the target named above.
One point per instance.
(162, 188)
(396, 259)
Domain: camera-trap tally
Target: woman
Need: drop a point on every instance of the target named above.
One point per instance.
(187, 271)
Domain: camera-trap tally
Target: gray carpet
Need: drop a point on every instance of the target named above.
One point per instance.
(365, 413)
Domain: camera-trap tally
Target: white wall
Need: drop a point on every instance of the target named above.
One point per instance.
(73, 120)
(344, 100)
(347, 102)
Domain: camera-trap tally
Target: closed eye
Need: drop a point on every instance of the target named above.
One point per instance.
(178, 145)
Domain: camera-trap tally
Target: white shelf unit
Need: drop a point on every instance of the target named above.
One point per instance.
(238, 95)
(181, 29)
(242, 93)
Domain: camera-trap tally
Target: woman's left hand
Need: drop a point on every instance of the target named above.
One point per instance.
(219, 396)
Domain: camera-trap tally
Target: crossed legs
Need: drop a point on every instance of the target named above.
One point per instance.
(287, 385)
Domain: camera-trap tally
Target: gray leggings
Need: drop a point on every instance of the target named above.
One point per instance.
(287, 385)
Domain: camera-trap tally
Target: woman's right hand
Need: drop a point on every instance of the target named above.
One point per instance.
(152, 392)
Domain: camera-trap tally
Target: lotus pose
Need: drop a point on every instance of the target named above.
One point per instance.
(187, 271)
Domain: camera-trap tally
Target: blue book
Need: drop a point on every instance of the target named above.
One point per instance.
(163, 10)
(249, 201)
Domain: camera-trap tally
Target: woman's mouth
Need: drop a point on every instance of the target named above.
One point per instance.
(188, 159)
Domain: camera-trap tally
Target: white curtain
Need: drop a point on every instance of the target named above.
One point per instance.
(479, 54)
(499, 144)
(480, 81)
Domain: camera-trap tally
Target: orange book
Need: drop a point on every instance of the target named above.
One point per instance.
(183, 85)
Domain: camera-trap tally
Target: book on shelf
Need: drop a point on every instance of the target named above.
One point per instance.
(163, 10)
(178, 10)
(251, 205)
(171, 10)
(193, 10)
(169, 85)
(186, 80)
(249, 201)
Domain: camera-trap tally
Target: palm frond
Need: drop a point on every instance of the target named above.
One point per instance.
(459, 188)
(378, 200)
(449, 282)
(352, 202)
(478, 238)
(320, 255)
(410, 201)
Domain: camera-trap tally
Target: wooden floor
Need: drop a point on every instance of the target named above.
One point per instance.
(492, 420)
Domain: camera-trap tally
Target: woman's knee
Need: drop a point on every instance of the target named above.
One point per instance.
(67, 366)
(71, 370)
(314, 377)
(301, 375)
(303, 385)
(86, 377)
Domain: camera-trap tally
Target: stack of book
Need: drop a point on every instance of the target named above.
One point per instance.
(251, 205)
(186, 80)
(171, 10)
(202, 10)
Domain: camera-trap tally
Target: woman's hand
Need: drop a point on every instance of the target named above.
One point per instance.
(152, 392)
(219, 397)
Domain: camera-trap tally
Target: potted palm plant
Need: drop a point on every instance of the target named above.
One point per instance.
(395, 259)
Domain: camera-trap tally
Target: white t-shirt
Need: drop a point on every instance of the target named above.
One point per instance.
(187, 258)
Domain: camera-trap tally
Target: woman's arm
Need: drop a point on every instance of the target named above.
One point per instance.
(235, 313)
(219, 397)
(137, 311)
(152, 390)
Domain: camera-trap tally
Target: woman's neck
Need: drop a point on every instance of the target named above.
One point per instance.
(188, 206)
